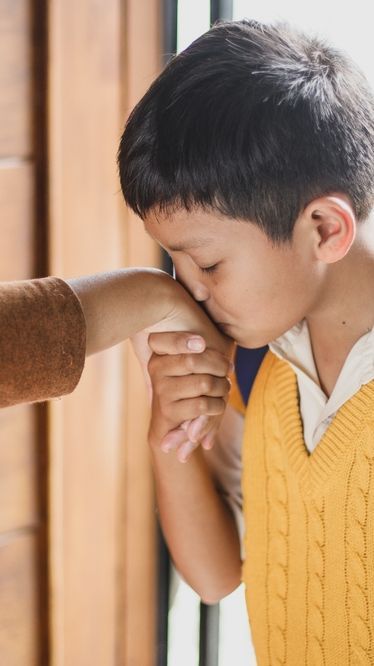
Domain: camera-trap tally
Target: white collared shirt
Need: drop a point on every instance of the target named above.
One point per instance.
(317, 410)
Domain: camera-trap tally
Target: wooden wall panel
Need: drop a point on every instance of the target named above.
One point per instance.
(142, 63)
(102, 536)
(19, 617)
(18, 468)
(84, 234)
(15, 78)
(101, 504)
(21, 552)
(17, 220)
(83, 134)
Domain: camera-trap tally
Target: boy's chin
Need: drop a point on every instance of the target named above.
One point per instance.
(251, 341)
(245, 338)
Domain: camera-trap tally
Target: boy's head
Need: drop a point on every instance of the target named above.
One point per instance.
(259, 124)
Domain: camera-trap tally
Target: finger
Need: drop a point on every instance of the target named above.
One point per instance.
(173, 440)
(183, 410)
(172, 389)
(179, 342)
(203, 429)
(197, 426)
(209, 440)
(208, 362)
(169, 417)
(185, 451)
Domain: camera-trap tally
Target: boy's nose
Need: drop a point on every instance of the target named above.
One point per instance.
(200, 292)
(197, 289)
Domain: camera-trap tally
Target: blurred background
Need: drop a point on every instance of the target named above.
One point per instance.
(85, 578)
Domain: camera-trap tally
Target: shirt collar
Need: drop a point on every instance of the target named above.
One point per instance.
(295, 347)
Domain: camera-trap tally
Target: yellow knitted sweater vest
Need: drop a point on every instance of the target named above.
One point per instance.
(309, 569)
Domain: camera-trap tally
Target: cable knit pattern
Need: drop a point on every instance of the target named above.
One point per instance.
(277, 549)
(359, 631)
(316, 588)
(309, 542)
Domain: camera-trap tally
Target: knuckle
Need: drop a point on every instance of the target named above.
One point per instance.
(206, 384)
(192, 362)
(227, 385)
(202, 405)
(189, 362)
(180, 342)
(227, 367)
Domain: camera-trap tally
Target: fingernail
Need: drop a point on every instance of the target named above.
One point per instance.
(232, 366)
(195, 344)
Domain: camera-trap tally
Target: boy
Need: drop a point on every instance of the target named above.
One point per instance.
(251, 161)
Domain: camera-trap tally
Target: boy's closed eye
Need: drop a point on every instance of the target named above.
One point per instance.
(209, 269)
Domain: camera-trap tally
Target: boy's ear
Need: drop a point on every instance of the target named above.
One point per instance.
(333, 225)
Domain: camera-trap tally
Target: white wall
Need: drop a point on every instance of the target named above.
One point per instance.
(348, 26)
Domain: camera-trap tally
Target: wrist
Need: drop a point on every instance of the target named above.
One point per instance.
(188, 315)
(169, 298)
(162, 292)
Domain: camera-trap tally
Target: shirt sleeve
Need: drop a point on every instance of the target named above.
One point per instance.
(42, 340)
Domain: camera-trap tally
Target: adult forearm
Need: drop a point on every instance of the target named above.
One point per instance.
(118, 304)
(198, 526)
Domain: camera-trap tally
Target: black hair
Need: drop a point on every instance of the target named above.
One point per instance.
(253, 121)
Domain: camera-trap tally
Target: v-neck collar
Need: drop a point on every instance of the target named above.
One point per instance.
(317, 410)
(313, 469)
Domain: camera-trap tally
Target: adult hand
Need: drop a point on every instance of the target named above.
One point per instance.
(190, 391)
(185, 360)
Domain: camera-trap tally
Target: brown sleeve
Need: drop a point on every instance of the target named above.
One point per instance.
(42, 340)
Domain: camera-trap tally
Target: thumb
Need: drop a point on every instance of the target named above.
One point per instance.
(178, 342)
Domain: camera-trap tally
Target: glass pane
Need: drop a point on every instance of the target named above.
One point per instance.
(235, 646)
(193, 20)
(184, 619)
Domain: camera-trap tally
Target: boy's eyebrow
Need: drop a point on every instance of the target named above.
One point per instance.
(189, 245)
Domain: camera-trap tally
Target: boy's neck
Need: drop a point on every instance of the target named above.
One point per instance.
(343, 315)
